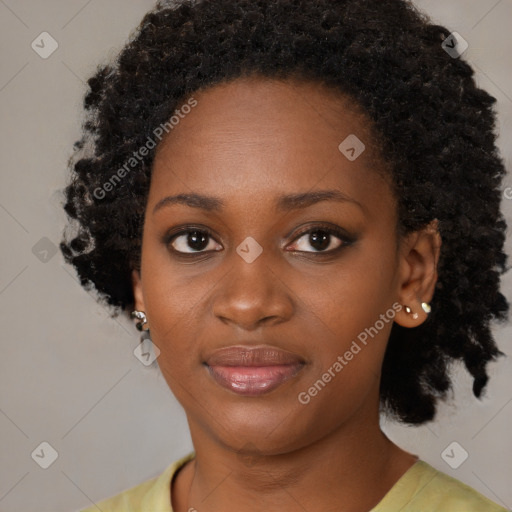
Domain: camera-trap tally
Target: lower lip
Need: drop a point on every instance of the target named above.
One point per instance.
(253, 380)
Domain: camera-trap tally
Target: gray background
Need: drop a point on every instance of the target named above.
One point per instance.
(68, 373)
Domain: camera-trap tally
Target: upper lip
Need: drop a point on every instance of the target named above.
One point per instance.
(261, 355)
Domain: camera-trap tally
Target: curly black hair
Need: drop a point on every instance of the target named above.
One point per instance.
(437, 131)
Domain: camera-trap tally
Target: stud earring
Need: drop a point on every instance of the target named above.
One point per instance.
(141, 316)
(426, 307)
(409, 310)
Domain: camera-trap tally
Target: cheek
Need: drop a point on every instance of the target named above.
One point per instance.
(347, 297)
(173, 306)
(173, 303)
(350, 313)
(174, 310)
(171, 292)
(346, 364)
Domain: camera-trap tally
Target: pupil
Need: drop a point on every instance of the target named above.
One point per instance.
(318, 241)
(197, 240)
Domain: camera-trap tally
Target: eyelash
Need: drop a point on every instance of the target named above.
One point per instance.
(330, 229)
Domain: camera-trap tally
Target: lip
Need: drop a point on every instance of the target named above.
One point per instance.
(253, 371)
(260, 355)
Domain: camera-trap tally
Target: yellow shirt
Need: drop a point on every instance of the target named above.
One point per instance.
(420, 489)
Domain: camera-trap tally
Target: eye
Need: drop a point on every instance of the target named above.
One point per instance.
(322, 239)
(191, 241)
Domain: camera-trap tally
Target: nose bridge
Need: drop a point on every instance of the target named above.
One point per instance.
(252, 290)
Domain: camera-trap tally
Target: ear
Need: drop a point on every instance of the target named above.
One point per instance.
(418, 258)
(137, 290)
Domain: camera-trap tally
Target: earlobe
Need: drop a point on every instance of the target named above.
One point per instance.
(418, 275)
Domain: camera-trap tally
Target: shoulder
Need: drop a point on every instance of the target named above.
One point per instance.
(153, 494)
(127, 500)
(425, 488)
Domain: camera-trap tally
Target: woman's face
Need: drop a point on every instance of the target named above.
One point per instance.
(257, 151)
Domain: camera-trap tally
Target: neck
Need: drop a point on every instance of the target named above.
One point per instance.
(350, 469)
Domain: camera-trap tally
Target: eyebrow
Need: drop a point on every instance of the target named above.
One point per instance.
(283, 204)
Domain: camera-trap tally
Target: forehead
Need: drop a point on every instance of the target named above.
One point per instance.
(265, 136)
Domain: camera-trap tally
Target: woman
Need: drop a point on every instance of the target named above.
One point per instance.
(300, 202)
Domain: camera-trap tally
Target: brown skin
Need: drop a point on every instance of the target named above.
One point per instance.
(248, 142)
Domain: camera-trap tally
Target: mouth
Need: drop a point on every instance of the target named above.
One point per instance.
(252, 371)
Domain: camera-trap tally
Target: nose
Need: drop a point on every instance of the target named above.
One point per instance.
(253, 294)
